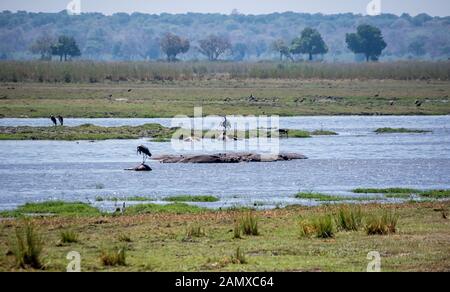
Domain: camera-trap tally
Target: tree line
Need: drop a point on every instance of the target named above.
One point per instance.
(367, 40)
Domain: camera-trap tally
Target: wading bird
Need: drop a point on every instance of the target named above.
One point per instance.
(141, 149)
(61, 120)
(225, 124)
(52, 117)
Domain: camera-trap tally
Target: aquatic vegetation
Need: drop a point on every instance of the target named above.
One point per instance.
(436, 194)
(386, 191)
(400, 131)
(85, 132)
(187, 198)
(330, 198)
(405, 192)
(27, 246)
(323, 133)
(177, 208)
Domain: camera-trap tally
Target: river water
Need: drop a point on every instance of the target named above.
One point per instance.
(32, 171)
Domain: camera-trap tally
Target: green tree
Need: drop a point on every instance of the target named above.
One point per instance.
(66, 47)
(239, 51)
(214, 46)
(368, 40)
(310, 43)
(417, 48)
(281, 47)
(172, 45)
(43, 46)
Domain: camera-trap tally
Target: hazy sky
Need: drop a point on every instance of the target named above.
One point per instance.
(413, 7)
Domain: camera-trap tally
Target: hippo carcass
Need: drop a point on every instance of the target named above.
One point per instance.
(141, 167)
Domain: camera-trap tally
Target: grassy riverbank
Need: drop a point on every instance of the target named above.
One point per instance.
(284, 97)
(201, 240)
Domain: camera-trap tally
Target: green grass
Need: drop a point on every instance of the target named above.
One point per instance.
(249, 224)
(68, 236)
(349, 218)
(382, 224)
(400, 131)
(187, 198)
(114, 257)
(239, 258)
(176, 208)
(84, 132)
(324, 226)
(323, 133)
(218, 96)
(53, 208)
(27, 246)
(330, 198)
(436, 194)
(195, 230)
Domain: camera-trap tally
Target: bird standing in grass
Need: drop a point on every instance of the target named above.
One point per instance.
(142, 150)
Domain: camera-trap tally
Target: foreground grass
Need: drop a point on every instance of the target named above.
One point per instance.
(158, 242)
(283, 97)
(400, 131)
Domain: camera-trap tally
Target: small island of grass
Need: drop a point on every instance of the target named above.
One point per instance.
(400, 131)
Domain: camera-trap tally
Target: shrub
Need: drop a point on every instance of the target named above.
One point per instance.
(124, 238)
(307, 228)
(68, 236)
(195, 231)
(249, 224)
(382, 224)
(238, 257)
(237, 230)
(349, 218)
(27, 247)
(115, 257)
(324, 226)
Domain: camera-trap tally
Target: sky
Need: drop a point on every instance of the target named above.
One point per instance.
(413, 7)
